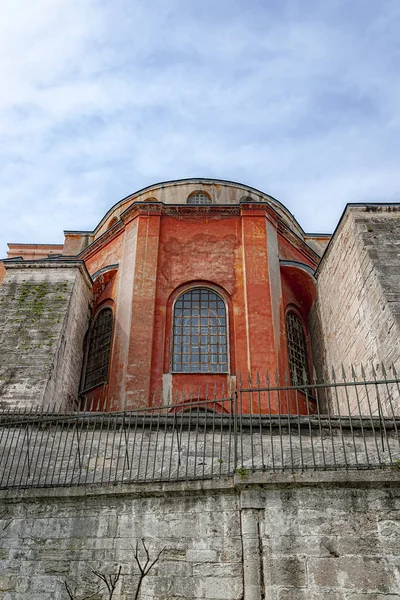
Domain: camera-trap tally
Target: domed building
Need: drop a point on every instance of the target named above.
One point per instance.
(182, 288)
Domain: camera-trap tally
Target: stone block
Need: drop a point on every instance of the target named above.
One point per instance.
(175, 569)
(285, 571)
(223, 589)
(201, 556)
(356, 573)
(306, 594)
(205, 569)
(8, 583)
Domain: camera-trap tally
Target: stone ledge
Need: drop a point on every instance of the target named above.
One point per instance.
(352, 478)
(50, 264)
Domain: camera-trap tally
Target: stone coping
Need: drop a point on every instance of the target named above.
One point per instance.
(243, 481)
(51, 263)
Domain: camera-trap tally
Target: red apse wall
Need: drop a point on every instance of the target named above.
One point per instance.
(164, 250)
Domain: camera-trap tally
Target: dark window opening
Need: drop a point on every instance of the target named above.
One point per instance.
(98, 355)
(200, 340)
(297, 349)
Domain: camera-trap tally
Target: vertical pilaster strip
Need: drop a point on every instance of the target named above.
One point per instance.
(253, 583)
(257, 289)
(138, 367)
(123, 318)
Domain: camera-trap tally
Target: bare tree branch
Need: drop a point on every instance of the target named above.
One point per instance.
(146, 568)
(110, 580)
(73, 594)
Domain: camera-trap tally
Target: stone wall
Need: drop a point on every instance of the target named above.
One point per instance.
(288, 537)
(66, 450)
(43, 319)
(356, 317)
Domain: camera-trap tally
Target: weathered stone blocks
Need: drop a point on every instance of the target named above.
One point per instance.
(288, 540)
(43, 320)
(356, 316)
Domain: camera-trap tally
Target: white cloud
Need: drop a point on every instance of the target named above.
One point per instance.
(100, 99)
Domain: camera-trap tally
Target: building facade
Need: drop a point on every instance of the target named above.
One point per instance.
(189, 285)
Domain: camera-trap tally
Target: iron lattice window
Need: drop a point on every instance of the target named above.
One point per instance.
(98, 355)
(200, 343)
(297, 349)
(199, 198)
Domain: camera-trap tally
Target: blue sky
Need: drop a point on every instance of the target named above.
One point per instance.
(299, 98)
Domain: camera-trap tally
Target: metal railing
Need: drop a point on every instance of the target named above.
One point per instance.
(346, 424)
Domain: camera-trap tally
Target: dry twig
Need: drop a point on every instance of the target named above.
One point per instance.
(146, 567)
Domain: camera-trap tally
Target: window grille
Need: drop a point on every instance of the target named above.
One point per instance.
(200, 343)
(98, 356)
(199, 198)
(297, 349)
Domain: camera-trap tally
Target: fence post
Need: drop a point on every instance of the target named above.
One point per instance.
(235, 429)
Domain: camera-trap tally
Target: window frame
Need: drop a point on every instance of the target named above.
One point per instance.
(208, 288)
(84, 387)
(199, 193)
(307, 366)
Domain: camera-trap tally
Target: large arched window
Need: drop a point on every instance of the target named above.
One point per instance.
(99, 346)
(297, 349)
(200, 333)
(199, 198)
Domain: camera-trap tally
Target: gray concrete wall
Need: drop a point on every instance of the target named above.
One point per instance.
(356, 317)
(288, 537)
(43, 319)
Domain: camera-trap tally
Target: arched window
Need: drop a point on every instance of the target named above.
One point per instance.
(99, 347)
(199, 198)
(200, 340)
(297, 349)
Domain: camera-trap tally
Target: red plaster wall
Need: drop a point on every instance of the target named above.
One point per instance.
(109, 254)
(172, 252)
(201, 250)
(2, 272)
(33, 251)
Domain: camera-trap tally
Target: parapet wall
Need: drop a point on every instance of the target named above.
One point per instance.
(289, 537)
(43, 320)
(355, 319)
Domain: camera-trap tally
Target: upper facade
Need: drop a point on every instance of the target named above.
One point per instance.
(193, 283)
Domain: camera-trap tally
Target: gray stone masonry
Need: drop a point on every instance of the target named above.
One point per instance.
(356, 316)
(304, 536)
(43, 319)
(83, 450)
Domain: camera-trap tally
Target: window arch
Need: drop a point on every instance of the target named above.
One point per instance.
(199, 198)
(200, 333)
(112, 222)
(99, 347)
(297, 348)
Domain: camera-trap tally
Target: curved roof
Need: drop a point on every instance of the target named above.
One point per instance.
(151, 191)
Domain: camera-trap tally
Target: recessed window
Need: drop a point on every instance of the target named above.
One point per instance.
(112, 222)
(297, 349)
(199, 198)
(200, 342)
(98, 356)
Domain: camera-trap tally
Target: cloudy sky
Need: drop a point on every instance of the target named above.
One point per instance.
(299, 98)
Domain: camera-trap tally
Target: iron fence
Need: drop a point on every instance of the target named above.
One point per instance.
(342, 423)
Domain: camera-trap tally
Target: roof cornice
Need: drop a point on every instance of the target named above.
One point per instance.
(247, 190)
